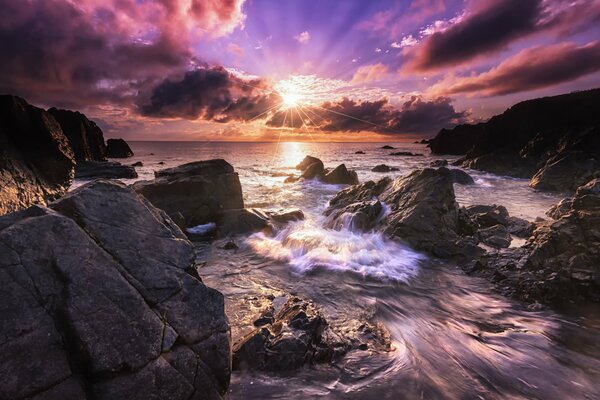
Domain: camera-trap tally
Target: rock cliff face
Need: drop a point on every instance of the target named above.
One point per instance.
(36, 160)
(118, 148)
(555, 140)
(86, 138)
(101, 300)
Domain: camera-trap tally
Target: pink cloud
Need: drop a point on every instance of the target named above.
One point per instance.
(532, 68)
(370, 73)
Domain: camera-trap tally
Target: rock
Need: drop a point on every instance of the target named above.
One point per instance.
(438, 163)
(241, 221)
(405, 153)
(422, 211)
(383, 168)
(357, 217)
(495, 236)
(520, 227)
(36, 159)
(104, 170)
(308, 161)
(102, 306)
(283, 217)
(388, 147)
(230, 245)
(291, 179)
(137, 164)
(314, 171)
(85, 137)
(485, 216)
(200, 191)
(118, 148)
(359, 152)
(566, 173)
(461, 177)
(341, 176)
(555, 140)
(561, 208)
(161, 163)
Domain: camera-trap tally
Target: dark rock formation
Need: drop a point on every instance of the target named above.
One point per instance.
(438, 163)
(137, 164)
(285, 216)
(104, 170)
(118, 148)
(313, 168)
(293, 332)
(480, 217)
(406, 154)
(556, 140)
(102, 306)
(461, 177)
(383, 168)
(36, 160)
(241, 221)
(359, 152)
(85, 137)
(388, 147)
(194, 193)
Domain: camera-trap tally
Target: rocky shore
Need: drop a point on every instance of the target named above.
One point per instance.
(554, 141)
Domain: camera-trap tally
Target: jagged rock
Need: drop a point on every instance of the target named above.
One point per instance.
(357, 217)
(285, 216)
(383, 168)
(495, 236)
(341, 176)
(438, 163)
(561, 208)
(102, 306)
(241, 221)
(85, 137)
(308, 161)
(104, 169)
(461, 177)
(314, 171)
(555, 140)
(137, 164)
(36, 159)
(118, 148)
(199, 191)
(486, 216)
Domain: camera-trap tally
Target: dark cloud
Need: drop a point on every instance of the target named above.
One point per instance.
(97, 52)
(416, 115)
(210, 94)
(533, 68)
(489, 27)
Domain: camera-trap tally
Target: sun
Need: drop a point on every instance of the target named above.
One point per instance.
(291, 94)
(290, 99)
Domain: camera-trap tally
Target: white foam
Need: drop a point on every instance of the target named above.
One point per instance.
(203, 229)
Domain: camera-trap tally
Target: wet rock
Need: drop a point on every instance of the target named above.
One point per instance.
(438, 163)
(104, 170)
(85, 137)
(341, 176)
(241, 221)
(137, 164)
(102, 304)
(388, 147)
(495, 236)
(118, 148)
(285, 216)
(406, 154)
(199, 191)
(314, 171)
(461, 177)
(486, 216)
(561, 208)
(36, 159)
(359, 152)
(357, 217)
(308, 161)
(566, 173)
(520, 227)
(383, 168)
(230, 245)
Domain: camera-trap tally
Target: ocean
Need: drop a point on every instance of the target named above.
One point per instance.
(453, 336)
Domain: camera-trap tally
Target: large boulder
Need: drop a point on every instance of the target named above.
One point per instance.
(102, 305)
(36, 160)
(195, 193)
(104, 170)
(383, 168)
(341, 176)
(85, 137)
(313, 168)
(118, 148)
(555, 140)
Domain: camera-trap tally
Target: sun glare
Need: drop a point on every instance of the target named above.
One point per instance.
(290, 94)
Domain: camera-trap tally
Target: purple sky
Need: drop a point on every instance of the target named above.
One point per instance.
(294, 69)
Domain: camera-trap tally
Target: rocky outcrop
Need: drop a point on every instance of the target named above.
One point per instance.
(293, 332)
(560, 262)
(85, 137)
(406, 154)
(195, 193)
(555, 140)
(461, 177)
(383, 168)
(118, 148)
(313, 168)
(102, 305)
(104, 170)
(36, 160)
(438, 163)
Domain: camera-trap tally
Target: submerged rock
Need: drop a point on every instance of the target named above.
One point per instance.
(383, 168)
(85, 137)
(388, 147)
(195, 193)
(438, 163)
(104, 170)
(36, 159)
(118, 148)
(102, 307)
(405, 153)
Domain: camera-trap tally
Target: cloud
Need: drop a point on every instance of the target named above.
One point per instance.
(303, 37)
(533, 68)
(416, 115)
(236, 50)
(369, 73)
(210, 94)
(76, 53)
(488, 26)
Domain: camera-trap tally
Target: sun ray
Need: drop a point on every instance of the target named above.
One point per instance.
(359, 119)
